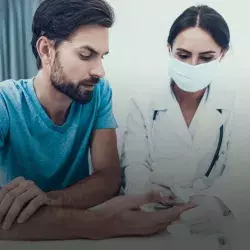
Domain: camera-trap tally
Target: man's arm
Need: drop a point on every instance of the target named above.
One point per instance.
(21, 198)
(105, 181)
(117, 217)
(55, 224)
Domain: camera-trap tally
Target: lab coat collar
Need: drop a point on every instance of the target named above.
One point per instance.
(219, 97)
(210, 120)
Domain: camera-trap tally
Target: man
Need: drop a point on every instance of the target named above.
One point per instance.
(49, 123)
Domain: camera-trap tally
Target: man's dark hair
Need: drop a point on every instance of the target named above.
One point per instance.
(58, 19)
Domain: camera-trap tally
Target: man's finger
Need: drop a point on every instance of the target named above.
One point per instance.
(32, 207)
(164, 217)
(179, 209)
(17, 206)
(13, 184)
(8, 200)
(148, 198)
(171, 214)
(133, 202)
(146, 223)
(128, 202)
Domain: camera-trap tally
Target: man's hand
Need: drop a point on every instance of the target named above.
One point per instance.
(19, 200)
(123, 216)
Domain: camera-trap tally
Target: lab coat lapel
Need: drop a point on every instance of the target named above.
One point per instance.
(210, 119)
(173, 120)
(209, 123)
(178, 124)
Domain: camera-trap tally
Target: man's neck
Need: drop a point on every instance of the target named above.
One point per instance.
(55, 104)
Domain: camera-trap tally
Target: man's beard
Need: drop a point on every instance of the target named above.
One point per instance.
(75, 91)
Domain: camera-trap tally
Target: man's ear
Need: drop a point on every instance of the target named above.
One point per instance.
(45, 50)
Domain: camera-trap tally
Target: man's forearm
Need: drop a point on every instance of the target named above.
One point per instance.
(56, 224)
(96, 189)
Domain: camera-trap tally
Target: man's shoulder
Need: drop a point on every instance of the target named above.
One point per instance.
(102, 93)
(13, 94)
(13, 88)
(6, 85)
(103, 87)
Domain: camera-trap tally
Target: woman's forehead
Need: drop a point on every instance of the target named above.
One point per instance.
(195, 40)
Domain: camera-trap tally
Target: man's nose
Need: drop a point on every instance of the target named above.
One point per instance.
(98, 70)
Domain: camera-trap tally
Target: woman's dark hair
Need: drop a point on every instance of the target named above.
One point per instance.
(205, 18)
(58, 19)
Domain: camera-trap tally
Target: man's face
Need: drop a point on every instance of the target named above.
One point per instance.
(77, 65)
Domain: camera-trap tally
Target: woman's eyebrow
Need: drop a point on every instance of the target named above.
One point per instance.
(183, 50)
(207, 52)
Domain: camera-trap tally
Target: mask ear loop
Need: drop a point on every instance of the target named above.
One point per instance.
(171, 81)
(221, 57)
(170, 51)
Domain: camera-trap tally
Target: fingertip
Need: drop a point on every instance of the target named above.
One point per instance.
(5, 226)
(19, 221)
(20, 178)
(185, 207)
(188, 206)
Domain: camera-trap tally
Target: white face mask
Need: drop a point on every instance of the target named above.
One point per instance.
(192, 78)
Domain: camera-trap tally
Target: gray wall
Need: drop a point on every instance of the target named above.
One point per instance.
(16, 58)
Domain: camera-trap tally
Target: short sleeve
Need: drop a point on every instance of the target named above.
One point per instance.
(105, 118)
(4, 121)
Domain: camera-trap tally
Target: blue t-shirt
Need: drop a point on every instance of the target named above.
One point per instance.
(32, 146)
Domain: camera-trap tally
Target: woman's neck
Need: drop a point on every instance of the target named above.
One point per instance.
(187, 99)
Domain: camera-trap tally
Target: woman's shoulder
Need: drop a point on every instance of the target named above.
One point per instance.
(144, 105)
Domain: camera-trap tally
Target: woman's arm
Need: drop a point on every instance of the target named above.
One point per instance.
(135, 153)
(232, 187)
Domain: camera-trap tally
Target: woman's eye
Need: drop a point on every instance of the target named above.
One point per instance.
(183, 56)
(206, 59)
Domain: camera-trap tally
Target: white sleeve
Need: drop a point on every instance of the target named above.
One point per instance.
(233, 187)
(135, 150)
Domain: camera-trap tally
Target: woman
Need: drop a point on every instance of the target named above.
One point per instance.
(178, 142)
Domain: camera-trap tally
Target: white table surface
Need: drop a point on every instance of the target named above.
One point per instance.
(162, 241)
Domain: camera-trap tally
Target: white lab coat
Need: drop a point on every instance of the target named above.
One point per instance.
(166, 149)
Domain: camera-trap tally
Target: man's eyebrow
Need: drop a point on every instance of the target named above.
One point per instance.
(92, 50)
